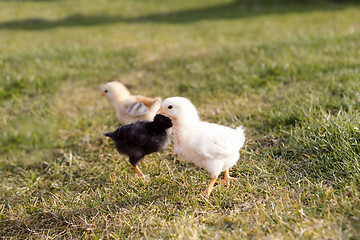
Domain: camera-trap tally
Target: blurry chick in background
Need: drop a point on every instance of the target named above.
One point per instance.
(130, 108)
(210, 146)
(141, 138)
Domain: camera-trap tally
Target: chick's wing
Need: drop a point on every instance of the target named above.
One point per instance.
(134, 134)
(136, 109)
(213, 141)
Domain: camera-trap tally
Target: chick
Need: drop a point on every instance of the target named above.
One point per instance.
(141, 138)
(210, 146)
(130, 108)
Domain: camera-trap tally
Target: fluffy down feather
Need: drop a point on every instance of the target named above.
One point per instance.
(210, 146)
(141, 138)
(130, 108)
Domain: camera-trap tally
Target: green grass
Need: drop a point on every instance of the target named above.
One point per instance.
(286, 70)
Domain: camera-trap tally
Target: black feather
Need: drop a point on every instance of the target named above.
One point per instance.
(142, 138)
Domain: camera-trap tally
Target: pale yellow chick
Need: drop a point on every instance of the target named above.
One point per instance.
(130, 108)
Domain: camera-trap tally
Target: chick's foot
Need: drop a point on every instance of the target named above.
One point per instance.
(227, 178)
(210, 187)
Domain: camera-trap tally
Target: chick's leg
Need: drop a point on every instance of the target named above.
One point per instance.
(210, 187)
(139, 172)
(227, 177)
(134, 160)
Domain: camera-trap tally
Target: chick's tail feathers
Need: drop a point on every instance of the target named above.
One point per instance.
(155, 105)
(240, 129)
(111, 134)
(241, 133)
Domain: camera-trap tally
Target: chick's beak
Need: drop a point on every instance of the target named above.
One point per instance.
(160, 111)
(102, 94)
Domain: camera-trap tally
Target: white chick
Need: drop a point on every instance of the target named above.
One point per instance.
(130, 108)
(208, 145)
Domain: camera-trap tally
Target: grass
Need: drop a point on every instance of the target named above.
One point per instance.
(286, 70)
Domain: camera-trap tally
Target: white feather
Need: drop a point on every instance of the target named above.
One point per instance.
(208, 145)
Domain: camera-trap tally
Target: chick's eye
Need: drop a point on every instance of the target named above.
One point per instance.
(106, 91)
(170, 107)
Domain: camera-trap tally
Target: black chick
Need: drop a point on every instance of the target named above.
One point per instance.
(142, 138)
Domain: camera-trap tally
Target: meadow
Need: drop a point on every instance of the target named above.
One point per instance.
(288, 71)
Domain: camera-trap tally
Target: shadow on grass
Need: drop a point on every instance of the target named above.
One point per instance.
(232, 10)
(29, 0)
